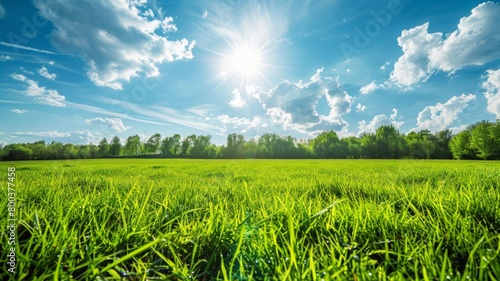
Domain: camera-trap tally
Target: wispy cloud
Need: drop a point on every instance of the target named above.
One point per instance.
(50, 134)
(114, 124)
(40, 94)
(27, 48)
(19, 111)
(73, 136)
(2, 11)
(159, 113)
(45, 73)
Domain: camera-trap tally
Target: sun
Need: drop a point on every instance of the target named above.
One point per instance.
(246, 62)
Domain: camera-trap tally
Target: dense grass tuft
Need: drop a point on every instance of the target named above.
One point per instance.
(140, 219)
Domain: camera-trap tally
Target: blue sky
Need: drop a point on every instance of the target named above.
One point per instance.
(79, 71)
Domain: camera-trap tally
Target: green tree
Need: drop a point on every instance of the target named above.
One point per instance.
(460, 146)
(389, 142)
(482, 140)
(19, 152)
(235, 145)
(69, 151)
(324, 144)
(39, 150)
(133, 146)
(153, 145)
(186, 145)
(103, 148)
(369, 148)
(115, 146)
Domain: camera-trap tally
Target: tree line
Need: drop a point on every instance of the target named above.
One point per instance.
(478, 141)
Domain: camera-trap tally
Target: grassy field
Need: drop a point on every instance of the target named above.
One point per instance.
(147, 219)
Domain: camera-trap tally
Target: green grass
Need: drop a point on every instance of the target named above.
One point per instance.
(143, 219)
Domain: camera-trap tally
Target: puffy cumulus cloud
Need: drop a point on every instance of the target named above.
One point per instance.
(45, 73)
(412, 66)
(5, 58)
(19, 111)
(40, 94)
(360, 107)
(492, 94)
(85, 137)
(242, 124)
(369, 88)
(236, 99)
(48, 134)
(438, 117)
(115, 38)
(475, 42)
(379, 120)
(114, 124)
(293, 105)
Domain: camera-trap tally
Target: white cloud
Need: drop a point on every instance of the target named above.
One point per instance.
(384, 66)
(41, 94)
(411, 67)
(117, 42)
(492, 94)
(19, 111)
(18, 77)
(2, 11)
(167, 25)
(45, 73)
(82, 137)
(49, 134)
(85, 137)
(4, 58)
(456, 130)
(293, 105)
(369, 88)
(16, 46)
(394, 113)
(379, 120)
(205, 14)
(440, 116)
(244, 123)
(360, 107)
(236, 99)
(114, 124)
(475, 42)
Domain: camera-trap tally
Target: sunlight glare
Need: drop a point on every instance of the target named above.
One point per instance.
(246, 61)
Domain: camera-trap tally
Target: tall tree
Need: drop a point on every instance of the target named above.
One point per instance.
(153, 145)
(133, 146)
(235, 145)
(115, 147)
(460, 146)
(324, 144)
(483, 140)
(103, 148)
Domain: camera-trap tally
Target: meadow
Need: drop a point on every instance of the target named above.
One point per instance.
(178, 219)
